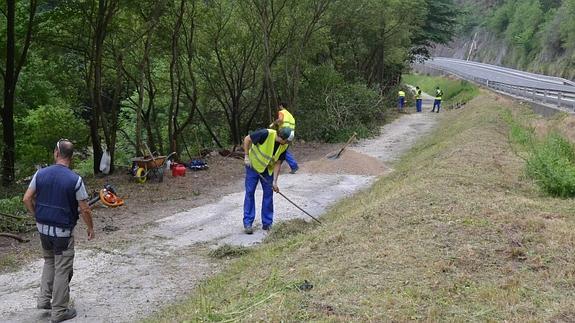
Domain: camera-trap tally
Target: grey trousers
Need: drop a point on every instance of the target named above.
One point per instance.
(57, 273)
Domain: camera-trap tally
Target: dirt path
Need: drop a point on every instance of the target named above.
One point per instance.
(161, 261)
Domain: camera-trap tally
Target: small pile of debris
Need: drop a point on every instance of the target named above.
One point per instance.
(349, 162)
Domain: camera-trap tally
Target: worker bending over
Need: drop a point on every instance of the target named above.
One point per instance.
(401, 100)
(265, 150)
(286, 120)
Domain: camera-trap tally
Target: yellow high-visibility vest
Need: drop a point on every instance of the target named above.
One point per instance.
(401, 94)
(288, 120)
(438, 94)
(418, 94)
(262, 156)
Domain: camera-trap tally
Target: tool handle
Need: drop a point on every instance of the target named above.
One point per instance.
(346, 144)
(285, 197)
(304, 211)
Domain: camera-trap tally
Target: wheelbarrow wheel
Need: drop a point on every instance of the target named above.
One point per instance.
(141, 175)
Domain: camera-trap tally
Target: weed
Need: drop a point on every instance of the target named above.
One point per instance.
(552, 166)
(289, 228)
(229, 251)
(8, 263)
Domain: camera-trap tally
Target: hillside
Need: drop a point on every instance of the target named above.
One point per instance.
(456, 233)
(532, 35)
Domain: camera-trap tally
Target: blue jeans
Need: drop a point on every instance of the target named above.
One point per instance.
(401, 103)
(418, 105)
(290, 160)
(252, 179)
(436, 103)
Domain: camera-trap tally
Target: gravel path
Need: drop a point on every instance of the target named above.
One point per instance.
(162, 261)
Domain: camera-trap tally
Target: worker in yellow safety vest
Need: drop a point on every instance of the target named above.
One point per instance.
(418, 99)
(401, 100)
(286, 120)
(437, 101)
(265, 150)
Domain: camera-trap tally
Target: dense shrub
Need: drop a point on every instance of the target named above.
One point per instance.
(41, 129)
(13, 206)
(331, 109)
(552, 166)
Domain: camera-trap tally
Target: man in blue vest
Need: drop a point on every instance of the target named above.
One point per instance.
(53, 197)
(265, 150)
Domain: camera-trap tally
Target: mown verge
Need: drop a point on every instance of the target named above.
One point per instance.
(456, 233)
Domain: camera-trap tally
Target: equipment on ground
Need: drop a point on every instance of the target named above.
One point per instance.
(336, 156)
(150, 167)
(107, 196)
(285, 197)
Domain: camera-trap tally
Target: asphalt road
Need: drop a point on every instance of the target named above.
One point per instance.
(495, 73)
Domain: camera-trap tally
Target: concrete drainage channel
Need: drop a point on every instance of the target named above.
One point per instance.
(162, 263)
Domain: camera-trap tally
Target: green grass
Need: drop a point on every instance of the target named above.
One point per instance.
(454, 234)
(550, 161)
(454, 91)
(229, 251)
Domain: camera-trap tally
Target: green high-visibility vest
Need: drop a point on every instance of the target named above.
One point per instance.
(288, 120)
(401, 94)
(418, 94)
(262, 156)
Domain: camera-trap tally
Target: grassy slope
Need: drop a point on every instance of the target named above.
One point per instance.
(455, 233)
(454, 90)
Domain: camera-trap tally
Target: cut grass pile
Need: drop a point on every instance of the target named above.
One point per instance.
(455, 233)
(454, 90)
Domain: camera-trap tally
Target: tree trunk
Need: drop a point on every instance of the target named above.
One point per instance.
(12, 72)
(8, 109)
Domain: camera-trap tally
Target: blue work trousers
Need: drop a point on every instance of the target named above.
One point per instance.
(436, 103)
(290, 159)
(401, 103)
(252, 179)
(418, 104)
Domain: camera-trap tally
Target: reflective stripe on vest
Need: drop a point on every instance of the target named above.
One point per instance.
(438, 94)
(262, 156)
(288, 120)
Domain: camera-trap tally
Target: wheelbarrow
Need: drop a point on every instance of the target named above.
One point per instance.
(148, 167)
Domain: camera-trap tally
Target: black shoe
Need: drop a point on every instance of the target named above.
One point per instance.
(293, 171)
(68, 315)
(248, 230)
(45, 306)
(267, 227)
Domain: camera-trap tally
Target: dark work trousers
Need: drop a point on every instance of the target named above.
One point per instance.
(418, 104)
(436, 103)
(400, 103)
(57, 273)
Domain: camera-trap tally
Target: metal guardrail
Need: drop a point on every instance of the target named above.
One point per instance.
(564, 100)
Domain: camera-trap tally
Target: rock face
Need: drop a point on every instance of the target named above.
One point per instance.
(483, 46)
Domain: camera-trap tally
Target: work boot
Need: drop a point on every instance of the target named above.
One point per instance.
(249, 230)
(267, 227)
(293, 171)
(68, 315)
